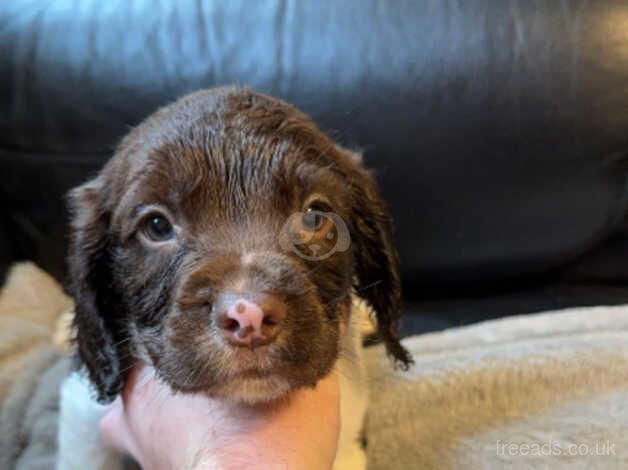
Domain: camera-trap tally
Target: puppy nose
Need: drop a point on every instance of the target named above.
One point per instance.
(252, 323)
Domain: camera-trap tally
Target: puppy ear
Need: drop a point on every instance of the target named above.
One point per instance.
(97, 315)
(376, 264)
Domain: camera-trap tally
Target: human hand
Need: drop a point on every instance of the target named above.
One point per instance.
(166, 430)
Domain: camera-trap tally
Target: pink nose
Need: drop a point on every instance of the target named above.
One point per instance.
(247, 315)
(250, 323)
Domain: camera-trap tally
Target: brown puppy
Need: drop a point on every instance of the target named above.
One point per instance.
(221, 244)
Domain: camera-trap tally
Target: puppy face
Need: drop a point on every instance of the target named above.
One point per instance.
(221, 244)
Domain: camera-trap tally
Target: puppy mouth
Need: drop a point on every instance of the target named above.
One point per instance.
(257, 362)
(246, 385)
(261, 357)
(261, 375)
(243, 374)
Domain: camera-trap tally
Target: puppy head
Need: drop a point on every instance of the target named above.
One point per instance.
(221, 244)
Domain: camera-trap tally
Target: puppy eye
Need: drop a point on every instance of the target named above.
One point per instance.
(312, 220)
(157, 228)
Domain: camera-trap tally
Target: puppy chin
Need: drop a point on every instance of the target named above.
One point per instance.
(253, 390)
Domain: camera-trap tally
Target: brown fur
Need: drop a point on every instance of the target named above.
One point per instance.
(229, 166)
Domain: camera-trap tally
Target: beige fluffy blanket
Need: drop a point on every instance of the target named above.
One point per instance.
(536, 391)
(31, 303)
(546, 391)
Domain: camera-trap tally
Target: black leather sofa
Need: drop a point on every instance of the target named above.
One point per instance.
(499, 130)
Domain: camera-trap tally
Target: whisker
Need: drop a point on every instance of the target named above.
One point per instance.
(354, 291)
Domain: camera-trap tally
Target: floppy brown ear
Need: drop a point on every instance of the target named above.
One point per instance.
(376, 264)
(99, 334)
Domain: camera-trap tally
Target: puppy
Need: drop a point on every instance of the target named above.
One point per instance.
(222, 244)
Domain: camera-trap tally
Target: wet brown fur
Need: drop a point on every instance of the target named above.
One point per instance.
(229, 166)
